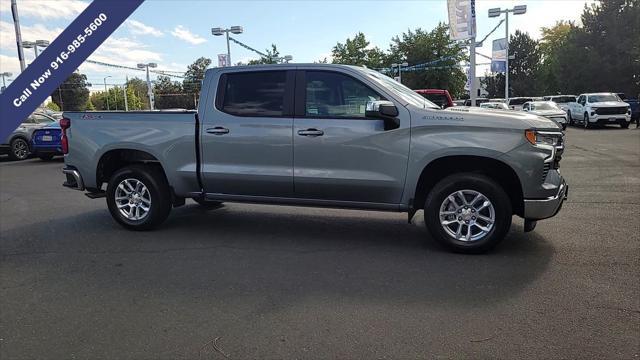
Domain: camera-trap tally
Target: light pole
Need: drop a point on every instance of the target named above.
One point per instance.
(34, 45)
(404, 64)
(495, 12)
(106, 93)
(220, 31)
(149, 91)
(4, 75)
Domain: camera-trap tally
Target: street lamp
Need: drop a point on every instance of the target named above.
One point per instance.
(4, 75)
(35, 44)
(149, 91)
(106, 94)
(495, 12)
(400, 66)
(220, 31)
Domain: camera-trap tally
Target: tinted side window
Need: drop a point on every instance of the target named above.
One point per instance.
(255, 93)
(437, 99)
(330, 94)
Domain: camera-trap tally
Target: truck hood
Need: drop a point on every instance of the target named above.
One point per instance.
(609, 104)
(500, 118)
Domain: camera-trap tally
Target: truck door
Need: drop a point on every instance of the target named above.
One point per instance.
(246, 139)
(339, 154)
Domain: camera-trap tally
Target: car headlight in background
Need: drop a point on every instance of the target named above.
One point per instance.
(543, 138)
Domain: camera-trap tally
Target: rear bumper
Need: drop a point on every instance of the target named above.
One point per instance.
(55, 150)
(538, 209)
(74, 179)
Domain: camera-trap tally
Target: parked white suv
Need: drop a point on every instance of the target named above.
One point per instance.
(599, 109)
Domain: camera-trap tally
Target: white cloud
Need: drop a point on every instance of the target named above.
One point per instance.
(9, 64)
(184, 34)
(34, 32)
(138, 28)
(60, 9)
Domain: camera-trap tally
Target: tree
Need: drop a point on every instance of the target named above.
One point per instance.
(52, 106)
(115, 97)
(436, 49)
(494, 85)
(358, 52)
(194, 75)
(170, 95)
(270, 58)
(139, 89)
(524, 68)
(72, 94)
(552, 40)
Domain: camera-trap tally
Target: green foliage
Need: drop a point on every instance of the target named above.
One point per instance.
(419, 46)
(72, 94)
(90, 106)
(494, 85)
(52, 106)
(271, 58)
(357, 51)
(171, 95)
(524, 68)
(113, 99)
(194, 75)
(139, 88)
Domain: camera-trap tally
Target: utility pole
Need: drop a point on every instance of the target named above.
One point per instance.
(106, 93)
(149, 90)
(16, 25)
(220, 31)
(472, 71)
(495, 12)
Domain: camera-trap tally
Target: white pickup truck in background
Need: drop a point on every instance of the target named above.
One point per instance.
(599, 109)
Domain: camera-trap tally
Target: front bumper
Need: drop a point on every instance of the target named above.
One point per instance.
(619, 119)
(538, 209)
(74, 179)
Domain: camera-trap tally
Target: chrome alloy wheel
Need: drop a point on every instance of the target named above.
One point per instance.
(20, 149)
(467, 215)
(133, 199)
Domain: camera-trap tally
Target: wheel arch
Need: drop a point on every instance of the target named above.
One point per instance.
(495, 169)
(115, 159)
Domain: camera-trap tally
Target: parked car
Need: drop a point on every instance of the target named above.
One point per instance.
(458, 102)
(548, 109)
(351, 137)
(563, 101)
(502, 100)
(17, 145)
(494, 105)
(45, 142)
(599, 109)
(515, 103)
(634, 104)
(439, 97)
(479, 101)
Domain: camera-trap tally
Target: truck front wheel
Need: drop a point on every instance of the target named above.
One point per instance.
(138, 197)
(468, 213)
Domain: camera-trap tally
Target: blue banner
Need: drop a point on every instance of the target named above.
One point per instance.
(61, 58)
(499, 56)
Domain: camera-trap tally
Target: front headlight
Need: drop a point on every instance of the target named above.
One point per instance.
(543, 138)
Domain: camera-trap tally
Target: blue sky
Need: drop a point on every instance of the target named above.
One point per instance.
(175, 33)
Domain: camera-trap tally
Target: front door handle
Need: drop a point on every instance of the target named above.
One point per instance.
(311, 132)
(218, 130)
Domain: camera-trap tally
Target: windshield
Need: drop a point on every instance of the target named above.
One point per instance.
(603, 97)
(544, 106)
(519, 101)
(404, 92)
(563, 99)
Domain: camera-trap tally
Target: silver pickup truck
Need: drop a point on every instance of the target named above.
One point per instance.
(322, 135)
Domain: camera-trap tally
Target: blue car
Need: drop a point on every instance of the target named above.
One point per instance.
(46, 142)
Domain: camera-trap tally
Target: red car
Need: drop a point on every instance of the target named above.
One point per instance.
(437, 96)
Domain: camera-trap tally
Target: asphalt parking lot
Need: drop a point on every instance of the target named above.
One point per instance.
(254, 281)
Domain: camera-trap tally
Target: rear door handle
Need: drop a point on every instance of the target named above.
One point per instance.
(218, 130)
(311, 132)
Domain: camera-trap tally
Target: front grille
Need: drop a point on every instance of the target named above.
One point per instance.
(618, 110)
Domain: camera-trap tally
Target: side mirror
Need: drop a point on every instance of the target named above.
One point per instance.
(384, 110)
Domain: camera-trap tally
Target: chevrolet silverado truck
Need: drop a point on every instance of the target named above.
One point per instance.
(322, 135)
(599, 109)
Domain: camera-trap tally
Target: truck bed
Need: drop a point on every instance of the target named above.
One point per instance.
(169, 137)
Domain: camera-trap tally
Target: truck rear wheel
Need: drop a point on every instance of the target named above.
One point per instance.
(468, 213)
(138, 197)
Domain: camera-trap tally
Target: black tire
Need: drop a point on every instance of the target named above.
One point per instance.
(208, 204)
(19, 149)
(478, 183)
(154, 180)
(585, 121)
(46, 157)
(564, 126)
(570, 118)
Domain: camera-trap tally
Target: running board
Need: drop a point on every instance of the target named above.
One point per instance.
(96, 195)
